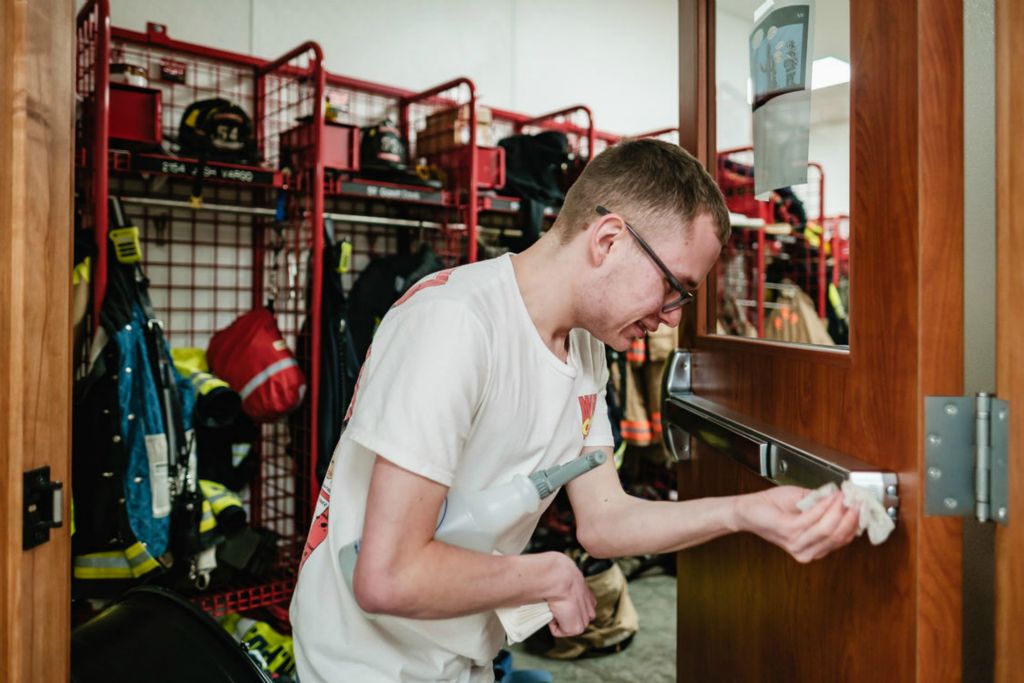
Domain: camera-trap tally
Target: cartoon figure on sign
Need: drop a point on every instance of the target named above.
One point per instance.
(587, 404)
(790, 61)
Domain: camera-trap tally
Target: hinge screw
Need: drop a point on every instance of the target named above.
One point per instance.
(783, 466)
(891, 512)
(950, 503)
(934, 472)
(934, 439)
(951, 409)
(1002, 414)
(890, 490)
(1001, 513)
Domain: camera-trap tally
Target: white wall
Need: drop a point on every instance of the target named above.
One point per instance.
(533, 56)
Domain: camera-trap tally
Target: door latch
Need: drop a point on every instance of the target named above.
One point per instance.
(966, 450)
(42, 507)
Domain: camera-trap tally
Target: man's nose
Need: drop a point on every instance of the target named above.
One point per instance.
(672, 318)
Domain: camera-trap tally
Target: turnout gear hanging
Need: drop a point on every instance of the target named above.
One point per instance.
(339, 363)
(133, 463)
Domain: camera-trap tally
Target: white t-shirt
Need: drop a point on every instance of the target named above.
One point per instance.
(458, 387)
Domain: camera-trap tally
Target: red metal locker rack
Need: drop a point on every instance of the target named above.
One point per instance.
(374, 215)
(741, 270)
(208, 266)
(577, 122)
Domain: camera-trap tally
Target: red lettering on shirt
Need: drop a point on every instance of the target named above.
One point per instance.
(436, 280)
(587, 405)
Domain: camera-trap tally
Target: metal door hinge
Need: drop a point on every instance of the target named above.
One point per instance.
(42, 507)
(966, 449)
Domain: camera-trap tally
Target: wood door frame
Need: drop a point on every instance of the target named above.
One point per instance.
(906, 187)
(1009, 591)
(36, 143)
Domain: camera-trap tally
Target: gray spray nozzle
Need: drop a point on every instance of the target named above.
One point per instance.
(547, 481)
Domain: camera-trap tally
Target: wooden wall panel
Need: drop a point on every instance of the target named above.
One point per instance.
(1009, 641)
(36, 121)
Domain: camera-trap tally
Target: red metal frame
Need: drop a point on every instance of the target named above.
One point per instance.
(93, 83)
(473, 194)
(558, 120)
(286, 90)
(740, 198)
(199, 263)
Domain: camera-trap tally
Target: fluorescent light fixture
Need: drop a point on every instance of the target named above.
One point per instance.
(763, 10)
(829, 71)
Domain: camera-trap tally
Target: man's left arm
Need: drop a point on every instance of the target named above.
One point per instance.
(611, 523)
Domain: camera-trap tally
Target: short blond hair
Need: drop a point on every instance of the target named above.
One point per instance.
(644, 180)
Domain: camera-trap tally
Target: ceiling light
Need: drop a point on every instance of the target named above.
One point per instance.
(829, 71)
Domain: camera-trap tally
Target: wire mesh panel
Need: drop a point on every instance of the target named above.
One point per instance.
(576, 122)
(184, 78)
(358, 106)
(254, 238)
(91, 77)
(289, 251)
(421, 200)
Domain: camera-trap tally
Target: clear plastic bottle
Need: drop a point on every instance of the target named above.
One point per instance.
(475, 520)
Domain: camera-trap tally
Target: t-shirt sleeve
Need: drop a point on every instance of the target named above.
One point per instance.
(420, 387)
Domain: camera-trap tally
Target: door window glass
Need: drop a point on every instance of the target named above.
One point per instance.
(782, 75)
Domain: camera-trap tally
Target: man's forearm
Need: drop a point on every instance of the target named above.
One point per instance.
(440, 581)
(625, 525)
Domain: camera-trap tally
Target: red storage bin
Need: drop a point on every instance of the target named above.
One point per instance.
(490, 167)
(339, 144)
(135, 114)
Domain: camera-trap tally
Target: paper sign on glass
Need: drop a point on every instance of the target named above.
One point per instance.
(780, 71)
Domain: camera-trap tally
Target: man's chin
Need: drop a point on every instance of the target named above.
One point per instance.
(621, 343)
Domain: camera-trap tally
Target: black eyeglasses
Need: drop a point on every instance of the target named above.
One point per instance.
(685, 296)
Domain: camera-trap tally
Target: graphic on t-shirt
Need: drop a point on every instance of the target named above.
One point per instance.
(318, 530)
(587, 405)
(437, 279)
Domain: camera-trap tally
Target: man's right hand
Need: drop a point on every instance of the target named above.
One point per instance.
(773, 515)
(571, 600)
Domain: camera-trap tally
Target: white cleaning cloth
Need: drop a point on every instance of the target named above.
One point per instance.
(522, 622)
(873, 516)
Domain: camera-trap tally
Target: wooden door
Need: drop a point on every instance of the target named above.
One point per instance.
(36, 126)
(747, 612)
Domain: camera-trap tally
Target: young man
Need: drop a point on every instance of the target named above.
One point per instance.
(498, 368)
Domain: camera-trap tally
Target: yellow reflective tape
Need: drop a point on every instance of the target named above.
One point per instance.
(208, 522)
(203, 383)
(82, 271)
(837, 301)
(130, 563)
(218, 496)
(189, 359)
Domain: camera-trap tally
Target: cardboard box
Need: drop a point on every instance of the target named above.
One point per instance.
(431, 142)
(447, 118)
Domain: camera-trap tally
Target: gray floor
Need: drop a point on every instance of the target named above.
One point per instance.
(650, 658)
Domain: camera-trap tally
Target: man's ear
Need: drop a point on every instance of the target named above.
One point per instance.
(602, 236)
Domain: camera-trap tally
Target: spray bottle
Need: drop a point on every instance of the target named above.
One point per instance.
(474, 520)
